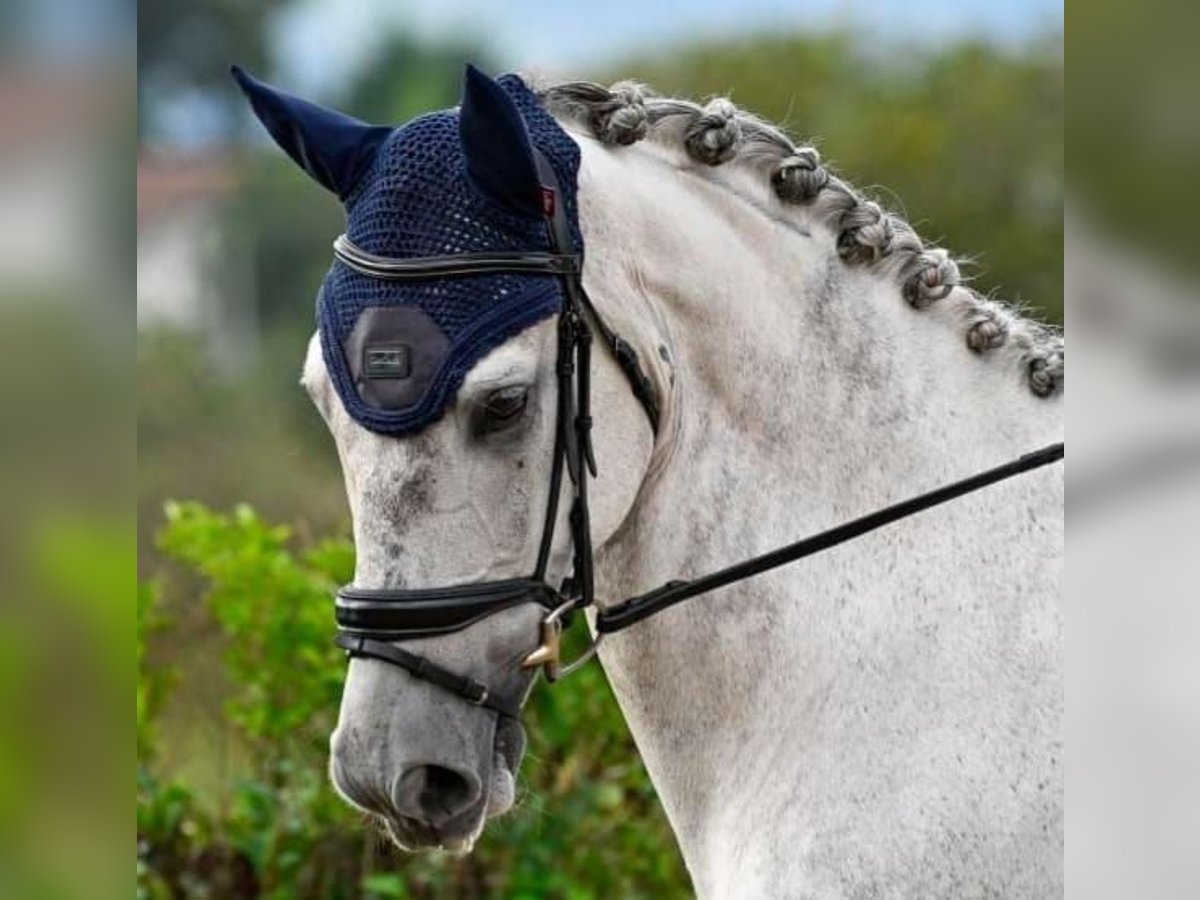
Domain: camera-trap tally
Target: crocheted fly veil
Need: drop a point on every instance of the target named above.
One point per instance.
(450, 182)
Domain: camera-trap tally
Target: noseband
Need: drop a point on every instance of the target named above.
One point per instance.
(371, 620)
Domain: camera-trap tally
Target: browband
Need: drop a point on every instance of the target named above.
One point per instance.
(423, 268)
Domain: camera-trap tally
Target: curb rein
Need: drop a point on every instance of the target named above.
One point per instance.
(370, 619)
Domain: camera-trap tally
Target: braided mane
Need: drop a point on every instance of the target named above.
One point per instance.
(718, 133)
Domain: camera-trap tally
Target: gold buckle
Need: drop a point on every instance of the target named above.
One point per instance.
(547, 654)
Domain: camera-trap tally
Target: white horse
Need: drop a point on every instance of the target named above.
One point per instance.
(881, 720)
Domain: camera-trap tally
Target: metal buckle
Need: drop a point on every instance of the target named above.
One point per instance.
(547, 655)
(482, 698)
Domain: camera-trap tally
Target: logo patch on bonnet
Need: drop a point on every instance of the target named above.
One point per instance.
(387, 361)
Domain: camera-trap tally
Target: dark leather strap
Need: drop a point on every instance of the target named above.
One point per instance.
(633, 610)
(424, 268)
(624, 354)
(468, 689)
(629, 363)
(394, 614)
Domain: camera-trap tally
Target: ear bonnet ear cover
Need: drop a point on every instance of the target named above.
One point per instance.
(335, 149)
(398, 352)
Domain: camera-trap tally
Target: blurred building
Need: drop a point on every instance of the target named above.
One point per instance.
(50, 159)
(190, 278)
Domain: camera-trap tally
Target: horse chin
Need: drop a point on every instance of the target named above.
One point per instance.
(502, 791)
(414, 837)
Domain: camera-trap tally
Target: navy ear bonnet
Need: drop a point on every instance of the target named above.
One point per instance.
(455, 181)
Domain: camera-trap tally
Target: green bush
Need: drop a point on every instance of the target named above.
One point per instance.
(587, 825)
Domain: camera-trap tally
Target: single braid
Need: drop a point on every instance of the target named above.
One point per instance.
(615, 115)
(864, 233)
(713, 137)
(988, 324)
(1047, 369)
(933, 274)
(800, 176)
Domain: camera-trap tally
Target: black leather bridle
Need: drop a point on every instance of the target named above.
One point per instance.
(371, 620)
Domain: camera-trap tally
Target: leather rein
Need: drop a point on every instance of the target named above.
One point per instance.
(371, 620)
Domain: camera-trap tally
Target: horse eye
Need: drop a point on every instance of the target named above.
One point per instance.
(504, 406)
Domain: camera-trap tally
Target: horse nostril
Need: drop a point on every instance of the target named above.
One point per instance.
(434, 794)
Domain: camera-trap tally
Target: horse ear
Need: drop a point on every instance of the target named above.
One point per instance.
(335, 149)
(496, 145)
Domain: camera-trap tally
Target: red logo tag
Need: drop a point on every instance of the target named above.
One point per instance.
(548, 202)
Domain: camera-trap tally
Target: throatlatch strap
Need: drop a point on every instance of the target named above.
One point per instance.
(624, 354)
(628, 361)
(460, 685)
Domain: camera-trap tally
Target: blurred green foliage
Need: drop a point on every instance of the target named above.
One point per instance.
(64, 665)
(1134, 126)
(587, 824)
(207, 433)
(66, 590)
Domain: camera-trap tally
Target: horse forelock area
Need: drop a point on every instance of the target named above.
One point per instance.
(788, 182)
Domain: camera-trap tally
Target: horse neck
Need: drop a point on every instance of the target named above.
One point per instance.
(796, 384)
(802, 391)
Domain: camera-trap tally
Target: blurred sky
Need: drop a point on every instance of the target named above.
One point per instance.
(62, 30)
(319, 41)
